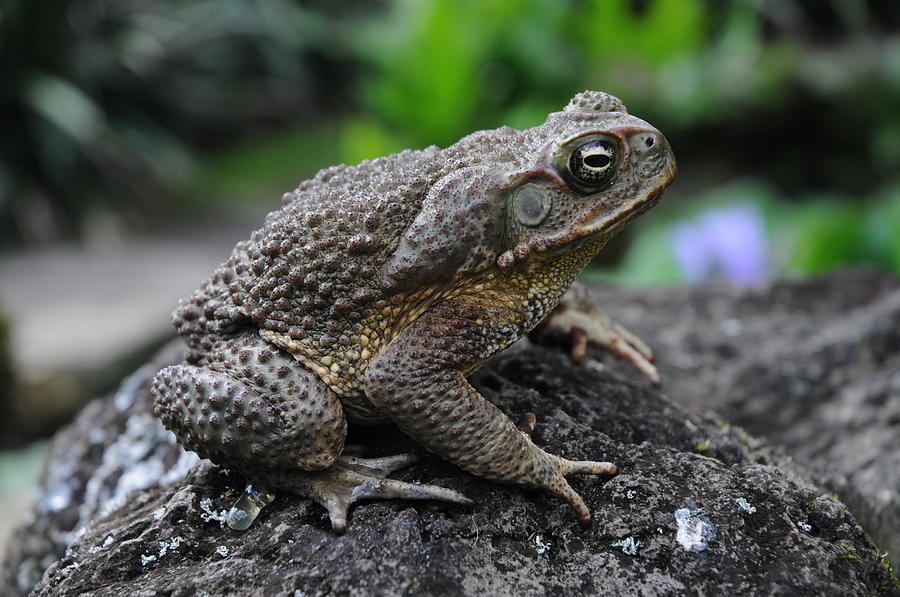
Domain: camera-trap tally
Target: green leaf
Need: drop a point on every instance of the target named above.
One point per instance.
(826, 234)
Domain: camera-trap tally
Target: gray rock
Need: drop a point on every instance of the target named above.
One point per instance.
(812, 365)
(699, 506)
(93, 466)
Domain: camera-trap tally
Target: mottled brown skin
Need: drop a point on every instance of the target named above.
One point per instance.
(377, 288)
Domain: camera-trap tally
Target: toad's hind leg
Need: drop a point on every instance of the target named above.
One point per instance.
(249, 405)
(252, 408)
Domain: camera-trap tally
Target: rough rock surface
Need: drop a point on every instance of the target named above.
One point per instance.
(813, 365)
(699, 507)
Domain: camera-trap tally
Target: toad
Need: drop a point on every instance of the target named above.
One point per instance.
(377, 288)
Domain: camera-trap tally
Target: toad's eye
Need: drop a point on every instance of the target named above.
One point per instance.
(593, 163)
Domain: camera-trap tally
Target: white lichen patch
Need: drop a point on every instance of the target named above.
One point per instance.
(170, 545)
(629, 545)
(745, 505)
(805, 526)
(136, 460)
(69, 569)
(540, 546)
(158, 513)
(106, 543)
(695, 531)
(164, 548)
(209, 514)
(222, 551)
(631, 494)
(57, 498)
(733, 327)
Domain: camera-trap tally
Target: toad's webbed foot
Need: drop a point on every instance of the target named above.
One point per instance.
(560, 468)
(576, 322)
(556, 482)
(352, 479)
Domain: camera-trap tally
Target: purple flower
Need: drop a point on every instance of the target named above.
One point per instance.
(728, 241)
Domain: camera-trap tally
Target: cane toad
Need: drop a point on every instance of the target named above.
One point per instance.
(376, 288)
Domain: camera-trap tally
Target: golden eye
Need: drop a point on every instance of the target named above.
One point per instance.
(593, 163)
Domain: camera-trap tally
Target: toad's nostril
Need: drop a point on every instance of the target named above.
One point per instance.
(644, 142)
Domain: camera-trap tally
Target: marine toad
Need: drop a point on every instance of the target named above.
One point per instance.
(376, 288)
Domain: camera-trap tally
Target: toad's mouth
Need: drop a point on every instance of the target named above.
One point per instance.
(608, 223)
(602, 224)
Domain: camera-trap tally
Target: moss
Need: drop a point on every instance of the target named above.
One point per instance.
(887, 565)
(850, 553)
(703, 447)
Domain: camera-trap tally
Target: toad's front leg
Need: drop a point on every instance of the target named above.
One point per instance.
(418, 381)
(576, 322)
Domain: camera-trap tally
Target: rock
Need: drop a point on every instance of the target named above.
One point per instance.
(813, 365)
(698, 505)
(112, 448)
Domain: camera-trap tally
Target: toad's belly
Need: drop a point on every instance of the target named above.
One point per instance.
(348, 386)
(340, 357)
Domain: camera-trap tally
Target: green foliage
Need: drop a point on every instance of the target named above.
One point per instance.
(882, 226)
(264, 166)
(106, 105)
(808, 236)
(115, 105)
(611, 31)
(826, 235)
(429, 67)
(365, 138)
(678, 60)
(684, 64)
(440, 68)
(647, 262)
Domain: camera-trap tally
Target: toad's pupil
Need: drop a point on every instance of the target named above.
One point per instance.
(597, 160)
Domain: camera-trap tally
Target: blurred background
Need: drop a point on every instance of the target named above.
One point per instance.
(140, 139)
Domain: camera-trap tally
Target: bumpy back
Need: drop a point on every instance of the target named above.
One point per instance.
(346, 238)
(318, 261)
